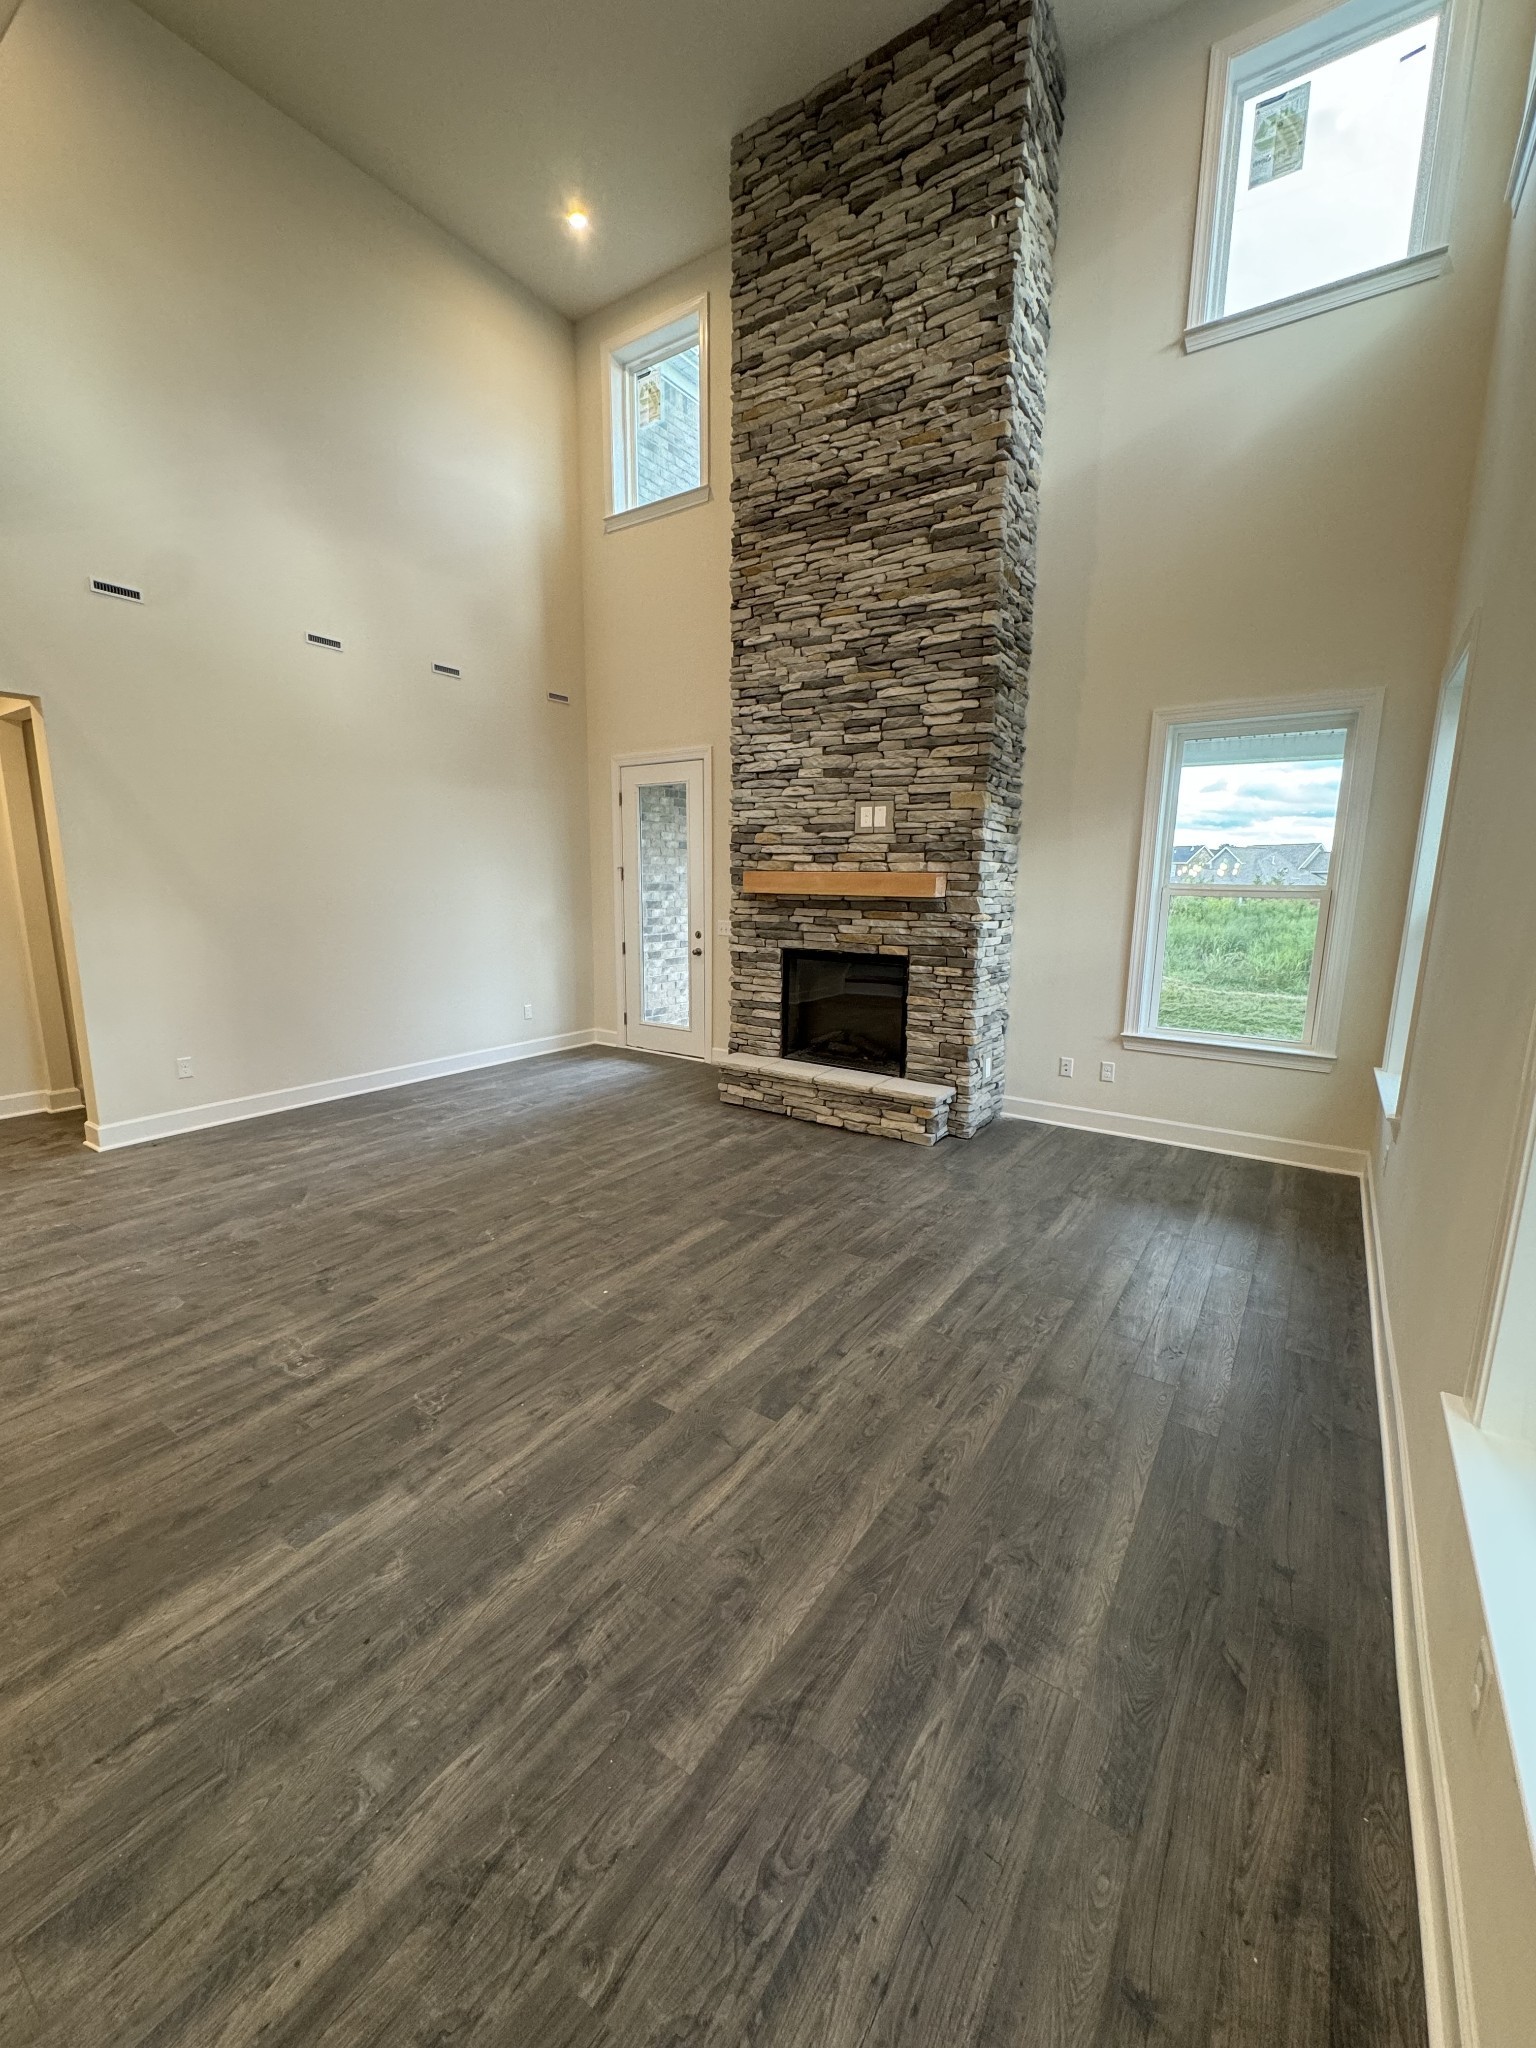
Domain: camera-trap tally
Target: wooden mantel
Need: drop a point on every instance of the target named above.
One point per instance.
(926, 884)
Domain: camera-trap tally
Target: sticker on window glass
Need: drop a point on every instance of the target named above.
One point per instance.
(648, 397)
(1279, 135)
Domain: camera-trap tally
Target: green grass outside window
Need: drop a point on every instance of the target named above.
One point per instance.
(1239, 965)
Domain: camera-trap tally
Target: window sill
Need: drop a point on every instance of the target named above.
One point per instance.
(637, 515)
(1303, 1057)
(1323, 298)
(1389, 1087)
(1497, 1479)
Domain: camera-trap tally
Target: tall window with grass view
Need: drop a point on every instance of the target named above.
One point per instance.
(1239, 903)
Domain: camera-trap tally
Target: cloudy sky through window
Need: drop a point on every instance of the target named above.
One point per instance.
(1259, 803)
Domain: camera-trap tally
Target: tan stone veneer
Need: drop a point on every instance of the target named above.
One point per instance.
(891, 249)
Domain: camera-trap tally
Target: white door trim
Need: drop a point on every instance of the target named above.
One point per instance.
(704, 755)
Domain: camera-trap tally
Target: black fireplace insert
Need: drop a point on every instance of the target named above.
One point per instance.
(846, 1009)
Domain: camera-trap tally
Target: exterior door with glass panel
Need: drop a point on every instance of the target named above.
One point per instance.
(661, 859)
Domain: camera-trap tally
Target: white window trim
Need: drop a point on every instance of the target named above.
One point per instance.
(1402, 1019)
(1525, 148)
(1503, 1396)
(1225, 89)
(1493, 1447)
(623, 354)
(1361, 710)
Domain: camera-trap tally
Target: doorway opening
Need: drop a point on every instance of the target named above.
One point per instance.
(44, 1065)
(661, 833)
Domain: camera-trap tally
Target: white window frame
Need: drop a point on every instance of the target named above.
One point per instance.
(1272, 51)
(1423, 886)
(1359, 713)
(1493, 1447)
(629, 356)
(1525, 148)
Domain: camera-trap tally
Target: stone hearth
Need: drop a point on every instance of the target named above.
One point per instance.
(891, 248)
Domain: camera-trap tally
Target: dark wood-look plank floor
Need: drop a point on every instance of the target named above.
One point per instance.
(545, 1559)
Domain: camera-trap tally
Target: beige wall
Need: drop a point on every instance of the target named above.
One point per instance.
(234, 369)
(657, 605)
(1442, 1182)
(1282, 513)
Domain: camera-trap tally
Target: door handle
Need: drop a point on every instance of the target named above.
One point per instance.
(698, 952)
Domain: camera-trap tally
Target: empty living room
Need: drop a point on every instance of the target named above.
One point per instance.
(767, 1024)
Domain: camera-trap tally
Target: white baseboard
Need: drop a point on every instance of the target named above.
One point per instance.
(1442, 1916)
(144, 1130)
(602, 1035)
(40, 1102)
(1158, 1130)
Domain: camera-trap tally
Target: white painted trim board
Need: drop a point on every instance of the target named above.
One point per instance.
(1442, 1916)
(32, 1103)
(1156, 1130)
(144, 1130)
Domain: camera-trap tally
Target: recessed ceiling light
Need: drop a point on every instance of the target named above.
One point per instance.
(577, 219)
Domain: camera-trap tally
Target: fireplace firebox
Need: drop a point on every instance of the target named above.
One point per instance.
(846, 1009)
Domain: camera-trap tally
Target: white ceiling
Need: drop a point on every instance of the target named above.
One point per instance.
(493, 116)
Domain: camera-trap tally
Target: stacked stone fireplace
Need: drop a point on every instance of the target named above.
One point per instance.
(891, 251)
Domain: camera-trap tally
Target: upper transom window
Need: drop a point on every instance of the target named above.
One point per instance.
(658, 417)
(1320, 157)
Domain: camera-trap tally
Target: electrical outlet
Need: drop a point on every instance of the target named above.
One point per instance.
(1106, 1070)
(184, 1067)
(722, 927)
(1064, 1067)
(1482, 1673)
(528, 1010)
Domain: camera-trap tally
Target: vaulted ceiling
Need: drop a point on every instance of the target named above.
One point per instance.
(495, 116)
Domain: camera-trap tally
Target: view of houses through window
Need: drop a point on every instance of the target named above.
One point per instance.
(667, 427)
(1320, 161)
(659, 440)
(1328, 169)
(1247, 840)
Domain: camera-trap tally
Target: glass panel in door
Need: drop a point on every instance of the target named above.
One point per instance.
(665, 980)
(664, 957)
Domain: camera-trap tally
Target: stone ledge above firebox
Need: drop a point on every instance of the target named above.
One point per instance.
(880, 1104)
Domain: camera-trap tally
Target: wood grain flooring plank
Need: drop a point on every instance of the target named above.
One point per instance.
(1375, 1958)
(1206, 1371)
(1153, 1622)
(1275, 1976)
(1056, 1964)
(1170, 1938)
